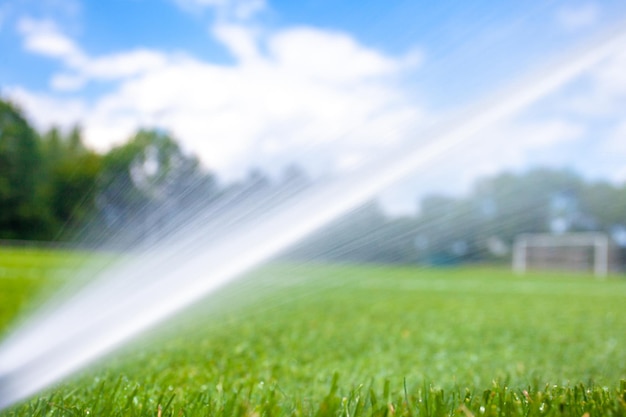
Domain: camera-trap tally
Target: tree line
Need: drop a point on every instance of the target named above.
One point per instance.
(54, 187)
(480, 226)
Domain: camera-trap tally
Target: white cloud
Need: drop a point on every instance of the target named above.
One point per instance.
(43, 37)
(325, 56)
(123, 65)
(241, 41)
(577, 17)
(228, 114)
(46, 110)
(67, 82)
(338, 98)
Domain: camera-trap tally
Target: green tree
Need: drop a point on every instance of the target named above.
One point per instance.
(605, 203)
(23, 210)
(497, 210)
(529, 202)
(149, 180)
(70, 185)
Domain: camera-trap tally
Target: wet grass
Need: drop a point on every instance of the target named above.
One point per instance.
(321, 340)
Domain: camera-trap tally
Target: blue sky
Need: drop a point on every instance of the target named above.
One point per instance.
(327, 84)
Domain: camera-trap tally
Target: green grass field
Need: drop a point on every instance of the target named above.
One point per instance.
(320, 340)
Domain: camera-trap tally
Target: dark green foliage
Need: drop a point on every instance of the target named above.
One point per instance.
(23, 213)
(54, 187)
(72, 172)
(47, 185)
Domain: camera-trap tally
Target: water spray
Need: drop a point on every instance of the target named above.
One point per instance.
(120, 303)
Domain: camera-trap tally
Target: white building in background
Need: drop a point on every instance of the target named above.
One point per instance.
(581, 252)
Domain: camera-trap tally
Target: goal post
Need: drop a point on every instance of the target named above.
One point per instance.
(571, 251)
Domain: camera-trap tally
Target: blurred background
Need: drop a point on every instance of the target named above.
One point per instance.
(119, 120)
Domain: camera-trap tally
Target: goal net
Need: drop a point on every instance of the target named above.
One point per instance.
(583, 252)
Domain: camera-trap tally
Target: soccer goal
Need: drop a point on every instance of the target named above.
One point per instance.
(590, 252)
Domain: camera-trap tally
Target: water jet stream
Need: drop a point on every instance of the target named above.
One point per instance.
(133, 297)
